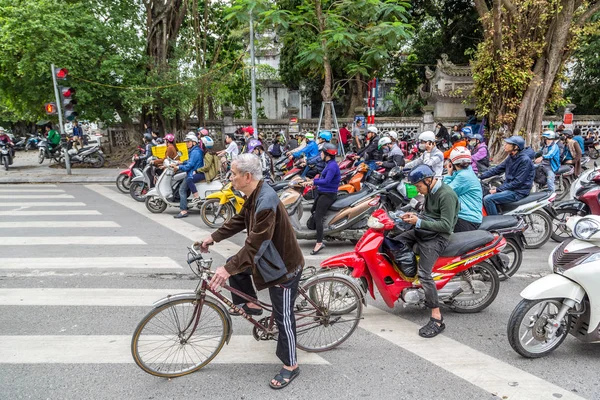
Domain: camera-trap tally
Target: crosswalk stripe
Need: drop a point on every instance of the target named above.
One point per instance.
(59, 224)
(25, 213)
(36, 196)
(477, 368)
(47, 263)
(116, 349)
(69, 240)
(104, 297)
(26, 185)
(39, 190)
(23, 204)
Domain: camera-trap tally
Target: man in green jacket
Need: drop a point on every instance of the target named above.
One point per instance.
(438, 220)
(53, 138)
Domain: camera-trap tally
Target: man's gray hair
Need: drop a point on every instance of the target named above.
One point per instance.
(250, 163)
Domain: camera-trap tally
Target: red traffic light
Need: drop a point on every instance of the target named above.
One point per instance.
(51, 108)
(67, 91)
(61, 73)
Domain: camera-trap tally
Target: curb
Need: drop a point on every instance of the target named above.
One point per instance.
(57, 179)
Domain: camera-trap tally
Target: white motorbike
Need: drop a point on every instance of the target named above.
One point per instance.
(567, 301)
(165, 192)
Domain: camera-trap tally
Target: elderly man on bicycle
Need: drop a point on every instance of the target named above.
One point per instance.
(271, 256)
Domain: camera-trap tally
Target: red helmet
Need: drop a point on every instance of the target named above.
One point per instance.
(248, 129)
(330, 149)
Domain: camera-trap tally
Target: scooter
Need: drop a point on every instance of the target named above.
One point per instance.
(141, 185)
(465, 280)
(512, 228)
(566, 301)
(6, 157)
(165, 193)
(91, 155)
(44, 152)
(563, 178)
(125, 176)
(586, 201)
(33, 141)
(219, 207)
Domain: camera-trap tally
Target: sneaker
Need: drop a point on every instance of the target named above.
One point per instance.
(194, 201)
(181, 215)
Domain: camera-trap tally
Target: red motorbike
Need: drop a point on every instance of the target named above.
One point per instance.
(465, 274)
(134, 169)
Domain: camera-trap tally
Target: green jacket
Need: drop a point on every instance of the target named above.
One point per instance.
(442, 207)
(211, 167)
(53, 137)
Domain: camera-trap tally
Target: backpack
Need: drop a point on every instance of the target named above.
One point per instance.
(276, 150)
(540, 176)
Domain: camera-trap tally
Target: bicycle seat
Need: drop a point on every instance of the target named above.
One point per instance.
(537, 196)
(494, 222)
(348, 200)
(463, 242)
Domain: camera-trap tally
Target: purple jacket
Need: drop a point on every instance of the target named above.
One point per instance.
(479, 153)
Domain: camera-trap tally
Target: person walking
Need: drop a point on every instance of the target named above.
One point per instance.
(271, 257)
(345, 137)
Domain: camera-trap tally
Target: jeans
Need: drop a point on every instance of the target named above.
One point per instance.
(192, 180)
(549, 177)
(504, 197)
(465, 226)
(183, 194)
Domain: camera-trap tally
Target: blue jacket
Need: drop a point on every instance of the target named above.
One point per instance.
(195, 161)
(311, 150)
(518, 171)
(329, 181)
(467, 187)
(552, 154)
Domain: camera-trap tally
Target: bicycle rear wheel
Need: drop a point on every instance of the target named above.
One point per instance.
(319, 324)
(163, 345)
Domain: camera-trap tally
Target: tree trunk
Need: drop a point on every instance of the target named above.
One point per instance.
(326, 91)
(357, 95)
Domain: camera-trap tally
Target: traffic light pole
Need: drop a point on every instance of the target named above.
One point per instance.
(61, 127)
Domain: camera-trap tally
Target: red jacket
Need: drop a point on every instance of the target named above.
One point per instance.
(345, 134)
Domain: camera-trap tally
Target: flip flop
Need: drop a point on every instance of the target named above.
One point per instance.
(282, 376)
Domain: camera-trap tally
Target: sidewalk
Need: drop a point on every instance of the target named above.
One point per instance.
(25, 169)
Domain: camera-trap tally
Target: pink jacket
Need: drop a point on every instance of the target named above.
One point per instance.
(479, 153)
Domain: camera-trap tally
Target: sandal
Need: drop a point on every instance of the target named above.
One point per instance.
(247, 310)
(318, 250)
(433, 328)
(181, 215)
(282, 376)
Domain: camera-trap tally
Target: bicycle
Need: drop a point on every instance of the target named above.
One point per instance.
(185, 332)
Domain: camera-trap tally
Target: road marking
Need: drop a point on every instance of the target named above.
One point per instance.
(20, 213)
(36, 196)
(59, 224)
(225, 248)
(69, 240)
(26, 185)
(50, 263)
(39, 190)
(477, 368)
(116, 349)
(104, 297)
(22, 204)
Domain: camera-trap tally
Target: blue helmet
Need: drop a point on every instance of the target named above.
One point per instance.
(467, 131)
(477, 136)
(325, 135)
(419, 173)
(517, 141)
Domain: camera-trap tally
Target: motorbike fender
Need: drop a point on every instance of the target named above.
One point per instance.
(553, 286)
(354, 261)
(152, 192)
(572, 205)
(221, 196)
(345, 277)
(137, 179)
(126, 172)
(192, 296)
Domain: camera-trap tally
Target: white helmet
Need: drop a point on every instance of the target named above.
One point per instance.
(2, 129)
(460, 155)
(372, 129)
(427, 136)
(383, 141)
(208, 142)
(191, 136)
(393, 135)
(549, 135)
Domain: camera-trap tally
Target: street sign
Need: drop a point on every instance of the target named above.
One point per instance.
(568, 119)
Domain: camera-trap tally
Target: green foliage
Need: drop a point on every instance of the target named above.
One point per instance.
(402, 104)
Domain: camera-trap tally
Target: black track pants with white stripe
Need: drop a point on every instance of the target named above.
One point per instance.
(282, 298)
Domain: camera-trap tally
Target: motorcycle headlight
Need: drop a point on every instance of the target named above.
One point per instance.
(585, 228)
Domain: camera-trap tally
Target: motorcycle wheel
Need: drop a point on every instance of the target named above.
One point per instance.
(593, 153)
(539, 230)
(560, 232)
(526, 329)
(138, 191)
(214, 215)
(513, 258)
(155, 205)
(563, 185)
(123, 183)
(5, 161)
(484, 276)
(41, 157)
(97, 160)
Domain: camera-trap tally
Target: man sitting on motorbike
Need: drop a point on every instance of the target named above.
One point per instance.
(195, 161)
(518, 171)
(394, 156)
(432, 156)
(266, 162)
(549, 158)
(309, 151)
(371, 151)
(4, 138)
(316, 164)
(480, 158)
(147, 147)
(465, 184)
(458, 140)
(53, 138)
(431, 234)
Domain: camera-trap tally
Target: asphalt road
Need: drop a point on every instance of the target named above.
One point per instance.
(76, 278)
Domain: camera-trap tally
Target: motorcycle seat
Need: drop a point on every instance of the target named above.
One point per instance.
(463, 242)
(494, 222)
(347, 200)
(564, 169)
(537, 196)
(280, 185)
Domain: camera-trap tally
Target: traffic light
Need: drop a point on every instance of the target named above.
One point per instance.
(51, 108)
(61, 73)
(67, 102)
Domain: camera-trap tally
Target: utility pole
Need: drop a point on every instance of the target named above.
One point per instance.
(253, 76)
(61, 127)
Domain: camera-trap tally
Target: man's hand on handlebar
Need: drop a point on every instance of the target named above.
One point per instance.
(203, 244)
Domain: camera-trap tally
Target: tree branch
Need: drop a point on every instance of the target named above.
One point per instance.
(593, 8)
(482, 8)
(509, 6)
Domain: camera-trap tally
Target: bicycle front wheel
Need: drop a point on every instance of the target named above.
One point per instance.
(320, 325)
(168, 342)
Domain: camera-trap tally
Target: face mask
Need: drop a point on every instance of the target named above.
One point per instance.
(422, 147)
(472, 143)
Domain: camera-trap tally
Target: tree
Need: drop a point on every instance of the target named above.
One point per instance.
(518, 67)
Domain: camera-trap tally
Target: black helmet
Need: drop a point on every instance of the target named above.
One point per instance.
(148, 136)
(456, 136)
(330, 149)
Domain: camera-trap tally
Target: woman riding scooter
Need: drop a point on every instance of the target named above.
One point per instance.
(327, 188)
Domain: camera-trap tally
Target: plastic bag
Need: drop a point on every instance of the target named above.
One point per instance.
(402, 256)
